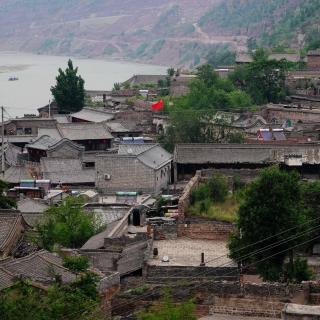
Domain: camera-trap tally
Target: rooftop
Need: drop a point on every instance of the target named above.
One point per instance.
(66, 171)
(41, 266)
(92, 115)
(152, 155)
(187, 252)
(84, 131)
(8, 223)
(292, 308)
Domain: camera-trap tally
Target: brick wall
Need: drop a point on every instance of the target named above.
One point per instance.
(205, 229)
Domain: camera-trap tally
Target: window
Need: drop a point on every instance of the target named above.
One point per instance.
(27, 130)
(89, 164)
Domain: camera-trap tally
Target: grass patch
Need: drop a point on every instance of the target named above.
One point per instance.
(221, 211)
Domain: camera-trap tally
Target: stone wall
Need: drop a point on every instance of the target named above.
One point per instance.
(266, 299)
(165, 274)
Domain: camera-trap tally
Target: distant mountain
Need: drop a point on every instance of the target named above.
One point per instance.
(171, 32)
(272, 23)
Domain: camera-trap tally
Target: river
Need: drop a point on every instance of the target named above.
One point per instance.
(37, 74)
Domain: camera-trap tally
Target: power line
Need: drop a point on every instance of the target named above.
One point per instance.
(240, 258)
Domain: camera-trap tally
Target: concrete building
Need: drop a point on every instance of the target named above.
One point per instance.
(140, 167)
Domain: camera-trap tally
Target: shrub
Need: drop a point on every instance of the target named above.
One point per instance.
(76, 263)
(218, 188)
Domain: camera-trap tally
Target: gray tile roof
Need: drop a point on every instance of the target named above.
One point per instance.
(8, 225)
(66, 171)
(92, 115)
(84, 131)
(16, 173)
(6, 279)
(42, 143)
(29, 205)
(152, 155)
(240, 153)
(116, 127)
(51, 132)
(32, 218)
(41, 266)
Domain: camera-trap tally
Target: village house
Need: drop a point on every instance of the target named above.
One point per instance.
(135, 167)
(188, 158)
(141, 79)
(46, 146)
(245, 58)
(313, 59)
(91, 115)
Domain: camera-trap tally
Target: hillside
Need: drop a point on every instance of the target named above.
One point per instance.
(286, 23)
(171, 32)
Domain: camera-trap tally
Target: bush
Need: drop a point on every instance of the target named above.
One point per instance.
(218, 188)
(76, 263)
(299, 271)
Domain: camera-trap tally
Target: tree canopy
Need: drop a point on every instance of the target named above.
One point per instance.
(263, 79)
(6, 202)
(79, 300)
(67, 225)
(272, 207)
(193, 116)
(69, 92)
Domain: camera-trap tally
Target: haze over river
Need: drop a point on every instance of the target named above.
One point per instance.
(37, 74)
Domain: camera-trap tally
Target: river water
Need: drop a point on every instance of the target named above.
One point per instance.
(37, 74)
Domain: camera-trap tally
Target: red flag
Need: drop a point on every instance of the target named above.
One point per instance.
(158, 105)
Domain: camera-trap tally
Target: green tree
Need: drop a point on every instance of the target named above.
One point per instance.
(78, 300)
(76, 263)
(263, 79)
(6, 202)
(171, 72)
(272, 205)
(67, 225)
(168, 310)
(69, 90)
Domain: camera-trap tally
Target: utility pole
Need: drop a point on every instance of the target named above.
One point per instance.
(49, 108)
(2, 143)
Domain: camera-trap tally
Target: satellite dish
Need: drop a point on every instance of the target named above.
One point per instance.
(165, 259)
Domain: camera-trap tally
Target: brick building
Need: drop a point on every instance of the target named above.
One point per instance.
(141, 167)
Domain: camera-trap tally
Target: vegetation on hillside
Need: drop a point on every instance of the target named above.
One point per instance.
(270, 23)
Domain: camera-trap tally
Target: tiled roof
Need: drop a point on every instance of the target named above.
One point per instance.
(6, 279)
(32, 218)
(92, 115)
(199, 153)
(152, 155)
(29, 205)
(247, 58)
(84, 131)
(16, 173)
(8, 224)
(41, 266)
(116, 127)
(42, 143)
(221, 153)
(65, 171)
(146, 78)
